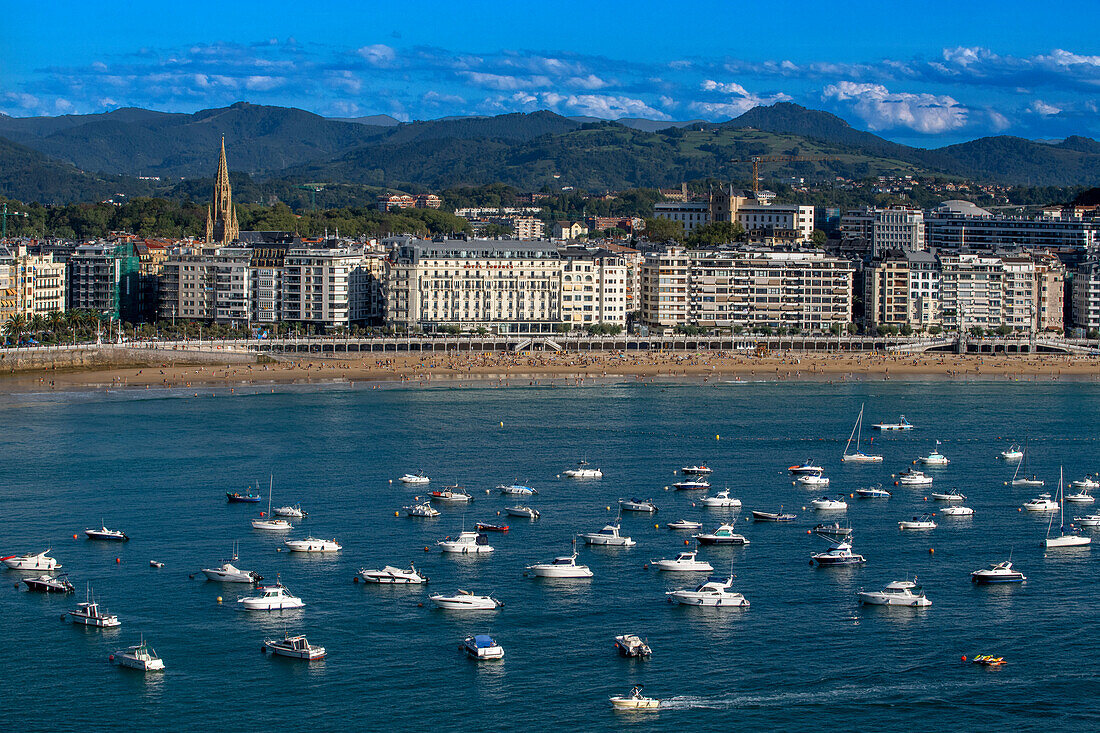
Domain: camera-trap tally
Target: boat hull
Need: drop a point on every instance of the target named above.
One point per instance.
(690, 599)
(875, 599)
(608, 541)
(579, 572)
(996, 579)
(280, 605)
(38, 562)
(308, 655)
(672, 566)
(107, 622)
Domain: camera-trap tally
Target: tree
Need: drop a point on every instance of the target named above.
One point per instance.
(835, 329)
(819, 238)
(906, 330)
(497, 230)
(934, 330)
(658, 229)
(715, 233)
(15, 326)
(738, 329)
(977, 331)
(1093, 334)
(1004, 329)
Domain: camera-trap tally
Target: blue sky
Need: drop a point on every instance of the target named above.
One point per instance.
(927, 74)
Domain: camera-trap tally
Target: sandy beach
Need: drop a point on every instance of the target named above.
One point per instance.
(561, 369)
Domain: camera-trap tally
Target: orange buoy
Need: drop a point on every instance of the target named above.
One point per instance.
(118, 561)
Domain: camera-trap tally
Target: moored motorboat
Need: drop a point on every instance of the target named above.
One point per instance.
(632, 645)
(312, 544)
(465, 601)
(634, 700)
(840, 554)
(1089, 520)
(684, 524)
(700, 469)
(389, 575)
(230, 573)
(482, 647)
(721, 500)
(957, 510)
(89, 614)
(452, 495)
(638, 505)
(901, 424)
(486, 527)
(952, 495)
(713, 593)
(609, 536)
(522, 511)
(685, 562)
(829, 505)
(141, 657)
(1088, 483)
(275, 597)
(295, 647)
(561, 567)
(924, 521)
(1041, 503)
(724, 535)
(807, 467)
(913, 477)
(516, 490)
(935, 458)
(32, 561)
(111, 535)
(583, 470)
(812, 480)
(49, 584)
(236, 497)
(834, 531)
(779, 516)
(1000, 572)
(692, 484)
(294, 512)
(422, 510)
(466, 543)
(873, 492)
(898, 593)
(414, 478)
(1012, 453)
(1080, 497)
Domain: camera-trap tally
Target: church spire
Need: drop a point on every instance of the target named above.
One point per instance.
(223, 228)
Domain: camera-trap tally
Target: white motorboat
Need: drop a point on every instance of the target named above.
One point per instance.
(779, 516)
(1012, 454)
(465, 601)
(294, 512)
(957, 510)
(724, 535)
(898, 593)
(482, 647)
(638, 505)
(858, 456)
(267, 522)
(516, 490)
(389, 575)
(873, 492)
(466, 543)
(812, 480)
(141, 657)
(632, 645)
(88, 614)
(111, 535)
(415, 478)
(714, 592)
(834, 532)
(913, 477)
(454, 494)
(684, 524)
(685, 562)
(422, 510)
(952, 495)
(608, 537)
(1080, 497)
(561, 567)
(839, 554)
(1089, 520)
(583, 470)
(312, 544)
(924, 521)
(1064, 539)
(697, 470)
(1000, 572)
(1041, 503)
(1023, 479)
(935, 458)
(721, 500)
(1088, 483)
(522, 511)
(32, 561)
(806, 467)
(295, 647)
(49, 584)
(275, 597)
(692, 484)
(634, 700)
(901, 424)
(230, 573)
(829, 505)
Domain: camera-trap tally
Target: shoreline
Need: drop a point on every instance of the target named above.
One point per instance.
(565, 367)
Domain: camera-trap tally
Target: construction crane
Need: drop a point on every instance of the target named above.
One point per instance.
(313, 189)
(756, 160)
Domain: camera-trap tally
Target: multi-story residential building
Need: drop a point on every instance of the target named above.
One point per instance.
(7, 285)
(207, 284)
(1050, 290)
(962, 225)
(569, 230)
(107, 277)
(872, 231)
(775, 223)
(971, 291)
(428, 201)
(593, 287)
(525, 227)
(633, 260)
(392, 202)
(1086, 296)
(665, 288)
(326, 286)
(265, 273)
(690, 214)
(506, 286)
(35, 283)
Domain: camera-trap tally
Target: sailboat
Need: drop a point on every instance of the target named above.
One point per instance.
(268, 522)
(1063, 540)
(1030, 481)
(858, 456)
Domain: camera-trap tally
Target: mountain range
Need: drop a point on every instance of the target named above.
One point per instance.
(88, 157)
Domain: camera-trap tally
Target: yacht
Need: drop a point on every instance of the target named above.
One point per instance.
(237, 497)
(1088, 483)
(1000, 572)
(1089, 520)
(517, 490)
(684, 524)
(452, 495)
(389, 575)
(830, 505)
(724, 535)
(230, 573)
(807, 467)
(1064, 539)
(522, 511)
(841, 554)
(913, 477)
(271, 598)
(873, 492)
(638, 505)
(561, 567)
(634, 700)
(295, 647)
(1012, 454)
(141, 657)
(685, 562)
(957, 510)
(465, 601)
(583, 470)
(632, 645)
(721, 500)
(88, 614)
(812, 480)
(952, 495)
(482, 646)
(49, 584)
(312, 544)
(832, 532)
(422, 510)
(714, 592)
(901, 424)
(858, 456)
(415, 478)
(692, 484)
(113, 535)
(609, 537)
(1081, 497)
(1041, 503)
(780, 516)
(466, 543)
(898, 593)
(32, 561)
(269, 523)
(294, 512)
(698, 470)
(924, 521)
(935, 458)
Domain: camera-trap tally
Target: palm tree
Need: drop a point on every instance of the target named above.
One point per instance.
(37, 325)
(15, 326)
(55, 322)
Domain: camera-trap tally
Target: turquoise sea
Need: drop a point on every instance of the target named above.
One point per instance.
(157, 463)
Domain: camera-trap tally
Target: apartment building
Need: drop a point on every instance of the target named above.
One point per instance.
(1086, 296)
(961, 224)
(30, 284)
(902, 287)
(871, 231)
(594, 285)
(665, 288)
(207, 284)
(326, 286)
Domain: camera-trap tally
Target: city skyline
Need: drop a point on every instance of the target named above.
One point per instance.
(949, 74)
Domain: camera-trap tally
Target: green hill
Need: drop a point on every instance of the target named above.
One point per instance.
(29, 176)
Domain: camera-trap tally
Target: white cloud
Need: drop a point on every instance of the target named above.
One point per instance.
(378, 54)
(442, 100)
(882, 109)
(1044, 109)
(503, 82)
(739, 101)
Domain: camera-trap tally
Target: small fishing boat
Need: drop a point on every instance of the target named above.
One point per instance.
(141, 657)
(482, 647)
(898, 593)
(901, 424)
(812, 480)
(833, 532)
(312, 544)
(295, 512)
(935, 458)
(873, 492)
(111, 535)
(422, 510)
(237, 497)
(486, 527)
(724, 535)
(634, 700)
(988, 660)
(389, 575)
(295, 647)
(685, 562)
(1000, 572)
(608, 537)
(465, 601)
(721, 500)
(275, 597)
(88, 614)
(924, 521)
(49, 584)
(692, 484)
(632, 645)
(414, 478)
(713, 593)
(638, 505)
(516, 490)
(32, 561)
(858, 456)
(522, 511)
(452, 495)
(913, 477)
(466, 543)
(1041, 503)
(807, 467)
(1013, 453)
(841, 554)
(957, 510)
(825, 504)
(698, 470)
(780, 516)
(583, 470)
(684, 524)
(952, 495)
